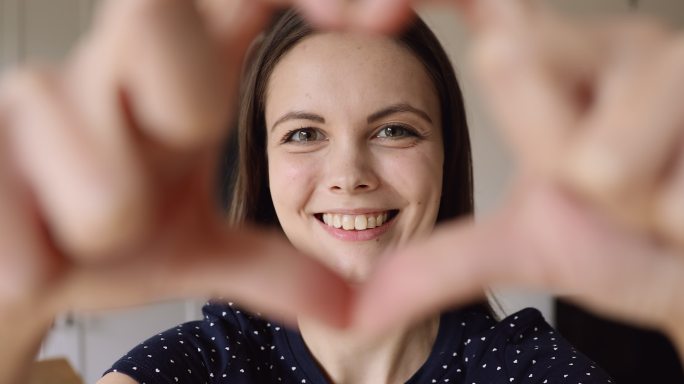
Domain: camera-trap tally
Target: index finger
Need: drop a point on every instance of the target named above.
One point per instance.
(259, 270)
(388, 16)
(546, 243)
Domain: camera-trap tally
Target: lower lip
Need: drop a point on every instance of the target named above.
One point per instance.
(354, 235)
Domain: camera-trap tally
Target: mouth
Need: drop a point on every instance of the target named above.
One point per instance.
(357, 222)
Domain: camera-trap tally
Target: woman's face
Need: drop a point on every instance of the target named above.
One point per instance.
(354, 147)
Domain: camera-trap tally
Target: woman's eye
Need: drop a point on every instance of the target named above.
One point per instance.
(395, 131)
(303, 135)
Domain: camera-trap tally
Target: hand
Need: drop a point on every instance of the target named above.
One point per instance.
(592, 105)
(590, 111)
(542, 238)
(107, 172)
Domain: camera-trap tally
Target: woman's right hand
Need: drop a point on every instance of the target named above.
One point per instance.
(107, 172)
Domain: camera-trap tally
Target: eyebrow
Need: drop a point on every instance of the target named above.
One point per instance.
(398, 108)
(299, 115)
(387, 111)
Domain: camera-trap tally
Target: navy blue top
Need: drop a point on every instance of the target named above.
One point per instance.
(232, 346)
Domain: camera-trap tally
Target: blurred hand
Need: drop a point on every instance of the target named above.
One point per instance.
(542, 238)
(591, 111)
(107, 169)
(593, 105)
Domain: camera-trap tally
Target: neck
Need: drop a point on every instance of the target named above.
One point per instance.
(348, 356)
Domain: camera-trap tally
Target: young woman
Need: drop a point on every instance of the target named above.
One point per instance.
(344, 143)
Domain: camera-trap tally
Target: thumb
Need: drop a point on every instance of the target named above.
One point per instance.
(541, 239)
(258, 270)
(450, 268)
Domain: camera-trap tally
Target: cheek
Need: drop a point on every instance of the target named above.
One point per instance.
(418, 177)
(291, 181)
(420, 173)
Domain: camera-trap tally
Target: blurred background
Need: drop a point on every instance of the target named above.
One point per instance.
(39, 31)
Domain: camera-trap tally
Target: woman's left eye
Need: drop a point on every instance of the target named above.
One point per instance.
(395, 132)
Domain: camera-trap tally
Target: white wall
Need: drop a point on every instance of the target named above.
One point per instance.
(9, 39)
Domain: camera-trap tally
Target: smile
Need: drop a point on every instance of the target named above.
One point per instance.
(360, 222)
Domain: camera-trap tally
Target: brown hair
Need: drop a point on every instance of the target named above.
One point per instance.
(245, 191)
(249, 198)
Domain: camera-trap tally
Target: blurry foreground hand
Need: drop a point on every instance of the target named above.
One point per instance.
(107, 167)
(592, 112)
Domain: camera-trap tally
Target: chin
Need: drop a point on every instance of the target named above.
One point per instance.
(352, 272)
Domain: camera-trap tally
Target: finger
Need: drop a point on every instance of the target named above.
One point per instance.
(669, 201)
(327, 14)
(619, 158)
(412, 286)
(487, 16)
(172, 72)
(235, 24)
(86, 200)
(535, 110)
(390, 16)
(382, 16)
(536, 72)
(23, 271)
(258, 270)
(548, 244)
(18, 243)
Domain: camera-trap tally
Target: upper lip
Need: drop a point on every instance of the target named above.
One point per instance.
(357, 211)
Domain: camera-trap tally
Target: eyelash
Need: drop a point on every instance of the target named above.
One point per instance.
(287, 138)
(409, 133)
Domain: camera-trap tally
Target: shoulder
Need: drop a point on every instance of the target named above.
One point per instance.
(227, 340)
(528, 349)
(522, 348)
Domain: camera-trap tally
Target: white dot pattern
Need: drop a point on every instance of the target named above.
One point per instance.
(233, 346)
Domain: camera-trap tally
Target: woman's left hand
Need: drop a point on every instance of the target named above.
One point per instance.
(591, 111)
(542, 238)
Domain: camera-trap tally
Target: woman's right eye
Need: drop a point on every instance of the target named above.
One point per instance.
(303, 135)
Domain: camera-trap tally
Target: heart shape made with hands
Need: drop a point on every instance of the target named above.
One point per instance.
(135, 105)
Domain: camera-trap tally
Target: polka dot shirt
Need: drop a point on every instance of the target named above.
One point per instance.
(232, 346)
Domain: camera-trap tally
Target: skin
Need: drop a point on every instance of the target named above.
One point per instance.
(153, 232)
(609, 164)
(45, 181)
(340, 162)
(348, 164)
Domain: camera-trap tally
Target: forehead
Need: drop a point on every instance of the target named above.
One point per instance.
(348, 74)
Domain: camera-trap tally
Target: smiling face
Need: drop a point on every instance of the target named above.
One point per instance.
(355, 149)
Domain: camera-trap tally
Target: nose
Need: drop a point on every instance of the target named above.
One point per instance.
(350, 169)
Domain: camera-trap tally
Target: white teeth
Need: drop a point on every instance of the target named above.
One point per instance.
(347, 222)
(354, 222)
(379, 220)
(360, 222)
